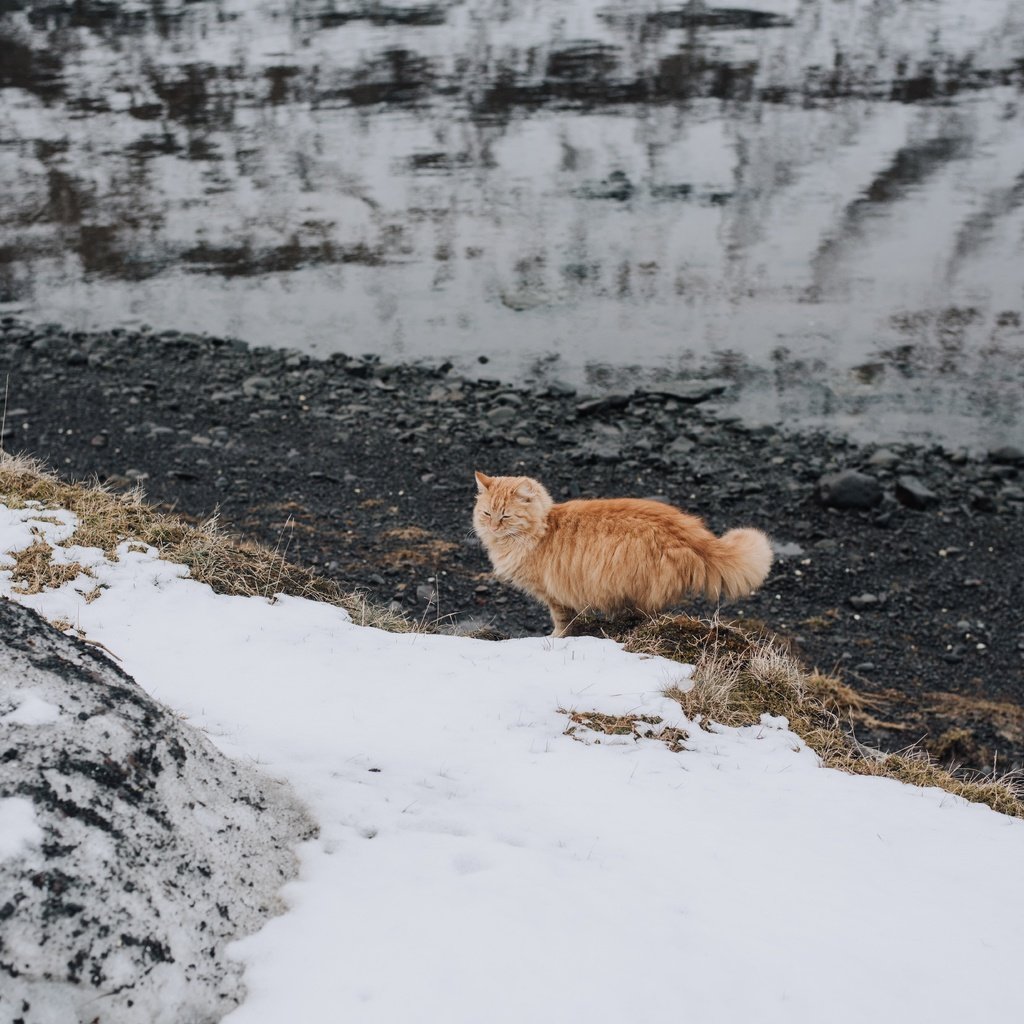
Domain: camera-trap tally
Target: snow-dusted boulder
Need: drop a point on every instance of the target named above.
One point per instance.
(131, 850)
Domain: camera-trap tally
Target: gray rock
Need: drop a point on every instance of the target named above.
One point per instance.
(849, 489)
(501, 415)
(680, 446)
(153, 850)
(912, 493)
(883, 458)
(1007, 455)
(604, 404)
(256, 385)
(786, 549)
(690, 392)
(861, 601)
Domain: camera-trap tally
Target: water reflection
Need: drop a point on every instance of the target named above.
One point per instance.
(822, 199)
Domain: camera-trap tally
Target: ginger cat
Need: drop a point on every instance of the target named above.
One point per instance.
(609, 554)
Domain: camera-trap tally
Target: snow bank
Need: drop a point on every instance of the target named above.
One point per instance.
(476, 862)
(131, 851)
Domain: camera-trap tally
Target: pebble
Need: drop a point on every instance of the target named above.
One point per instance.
(690, 392)
(593, 406)
(849, 489)
(501, 415)
(883, 458)
(861, 601)
(912, 493)
(1008, 455)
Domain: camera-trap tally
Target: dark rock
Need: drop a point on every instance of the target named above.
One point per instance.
(129, 893)
(1007, 455)
(597, 405)
(501, 415)
(680, 445)
(912, 493)
(849, 489)
(690, 392)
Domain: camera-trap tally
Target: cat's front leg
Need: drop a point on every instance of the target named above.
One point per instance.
(562, 618)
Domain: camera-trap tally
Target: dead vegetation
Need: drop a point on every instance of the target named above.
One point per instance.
(740, 673)
(35, 569)
(106, 519)
(634, 726)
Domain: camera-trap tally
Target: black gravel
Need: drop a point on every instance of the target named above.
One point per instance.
(365, 471)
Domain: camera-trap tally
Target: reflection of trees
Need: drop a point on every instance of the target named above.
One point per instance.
(161, 124)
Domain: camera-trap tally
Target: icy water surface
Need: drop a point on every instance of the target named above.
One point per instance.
(822, 200)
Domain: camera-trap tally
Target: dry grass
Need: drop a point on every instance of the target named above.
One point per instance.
(634, 726)
(35, 570)
(107, 519)
(740, 675)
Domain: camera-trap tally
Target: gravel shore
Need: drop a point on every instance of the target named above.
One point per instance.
(904, 576)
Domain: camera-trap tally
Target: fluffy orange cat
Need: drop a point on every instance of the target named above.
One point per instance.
(609, 554)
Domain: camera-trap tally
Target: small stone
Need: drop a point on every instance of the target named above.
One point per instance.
(605, 404)
(849, 489)
(501, 416)
(98, 441)
(690, 392)
(884, 458)
(863, 601)
(786, 549)
(1007, 455)
(912, 493)
(252, 386)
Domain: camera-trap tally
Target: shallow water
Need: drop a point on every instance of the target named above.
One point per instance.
(822, 200)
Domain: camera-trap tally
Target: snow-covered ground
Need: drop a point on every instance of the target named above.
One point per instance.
(477, 863)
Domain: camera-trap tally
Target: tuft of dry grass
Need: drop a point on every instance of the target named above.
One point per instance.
(741, 674)
(34, 569)
(634, 726)
(107, 519)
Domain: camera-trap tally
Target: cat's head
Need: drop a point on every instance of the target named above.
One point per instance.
(509, 507)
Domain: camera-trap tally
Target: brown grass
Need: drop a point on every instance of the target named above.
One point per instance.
(635, 726)
(740, 675)
(230, 566)
(34, 569)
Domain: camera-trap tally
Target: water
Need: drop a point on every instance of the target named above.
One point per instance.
(822, 201)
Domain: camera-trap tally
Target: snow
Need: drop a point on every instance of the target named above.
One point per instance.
(31, 710)
(18, 828)
(476, 862)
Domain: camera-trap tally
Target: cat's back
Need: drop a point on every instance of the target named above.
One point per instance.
(618, 516)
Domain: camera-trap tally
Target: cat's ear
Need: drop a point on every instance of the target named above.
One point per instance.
(528, 489)
(483, 481)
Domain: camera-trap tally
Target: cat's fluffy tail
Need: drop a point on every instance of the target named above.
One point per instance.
(738, 563)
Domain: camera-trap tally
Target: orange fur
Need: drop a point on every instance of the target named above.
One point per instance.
(609, 554)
